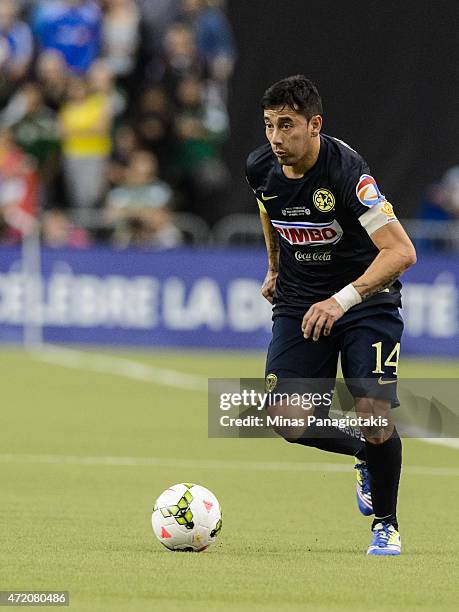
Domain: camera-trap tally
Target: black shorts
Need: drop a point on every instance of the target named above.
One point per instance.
(368, 342)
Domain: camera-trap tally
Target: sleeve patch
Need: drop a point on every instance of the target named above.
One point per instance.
(367, 191)
(388, 210)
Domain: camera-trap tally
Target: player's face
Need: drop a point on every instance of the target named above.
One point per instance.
(290, 134)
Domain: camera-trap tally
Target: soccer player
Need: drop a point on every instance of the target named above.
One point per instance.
(335, 253)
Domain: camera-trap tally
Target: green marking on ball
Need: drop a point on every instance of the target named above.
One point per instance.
(216, 530)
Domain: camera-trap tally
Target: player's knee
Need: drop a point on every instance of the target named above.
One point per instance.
(378, 434)
(285, 422)
(380, 414)
(375, 437)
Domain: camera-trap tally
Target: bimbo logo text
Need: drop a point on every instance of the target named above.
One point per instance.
(309, 233)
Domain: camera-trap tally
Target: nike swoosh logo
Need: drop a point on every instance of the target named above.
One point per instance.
(266, 198)
(385, 382)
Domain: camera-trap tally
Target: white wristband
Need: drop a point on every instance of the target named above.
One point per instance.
(348, 297)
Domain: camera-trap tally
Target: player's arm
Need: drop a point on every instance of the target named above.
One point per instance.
(272, 247)
(363, 200)
(396, 254)
(271, 236)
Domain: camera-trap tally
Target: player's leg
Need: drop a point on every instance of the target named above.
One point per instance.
(384, 461)
(369, 356)
(384, 457)
(291, 359)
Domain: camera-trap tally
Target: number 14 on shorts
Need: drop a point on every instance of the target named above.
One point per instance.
(391, 361)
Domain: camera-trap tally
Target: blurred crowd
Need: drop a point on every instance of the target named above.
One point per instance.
(439, 210)
(112, 116)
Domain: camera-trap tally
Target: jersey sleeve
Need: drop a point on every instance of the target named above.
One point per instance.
(251, 185)
(365, 201)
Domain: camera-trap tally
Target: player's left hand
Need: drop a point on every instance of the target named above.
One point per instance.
(321, 316)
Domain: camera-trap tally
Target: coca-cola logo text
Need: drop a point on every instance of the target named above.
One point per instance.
(314, 257)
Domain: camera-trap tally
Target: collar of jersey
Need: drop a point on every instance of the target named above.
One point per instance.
(280, 174)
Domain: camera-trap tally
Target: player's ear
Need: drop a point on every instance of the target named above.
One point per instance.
(315, 124)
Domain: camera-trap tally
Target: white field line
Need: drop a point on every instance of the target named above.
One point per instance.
(119, 366)
(448, 442)
(135, 370)
(213, 464)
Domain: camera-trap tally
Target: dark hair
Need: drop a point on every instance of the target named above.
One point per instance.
(297, 92)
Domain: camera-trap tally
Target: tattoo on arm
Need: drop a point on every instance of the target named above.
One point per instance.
(272, 243)
(384, 284)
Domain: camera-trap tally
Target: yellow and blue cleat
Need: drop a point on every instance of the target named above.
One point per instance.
(363, 490)
(386, 540)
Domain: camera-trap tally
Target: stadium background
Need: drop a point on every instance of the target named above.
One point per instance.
(166, 168)
(386, 72)
(101, 313)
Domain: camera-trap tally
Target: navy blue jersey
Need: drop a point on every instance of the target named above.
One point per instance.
(324, 221)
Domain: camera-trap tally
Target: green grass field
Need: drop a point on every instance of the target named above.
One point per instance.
(89, 444)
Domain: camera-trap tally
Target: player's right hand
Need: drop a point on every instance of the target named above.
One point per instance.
(268, 287)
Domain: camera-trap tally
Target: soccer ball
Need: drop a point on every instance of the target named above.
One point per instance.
(186, 517)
